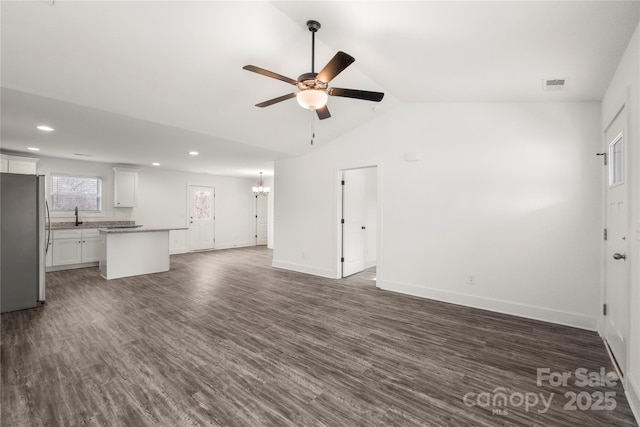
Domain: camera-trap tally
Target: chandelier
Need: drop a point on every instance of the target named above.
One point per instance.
(260, 190)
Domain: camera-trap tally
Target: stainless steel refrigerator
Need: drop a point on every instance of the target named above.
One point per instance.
(23, 241)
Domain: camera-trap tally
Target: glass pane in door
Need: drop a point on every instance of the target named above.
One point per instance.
(616, 161)
(202, 205)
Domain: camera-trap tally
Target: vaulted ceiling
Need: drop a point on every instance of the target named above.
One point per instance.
(148, 81)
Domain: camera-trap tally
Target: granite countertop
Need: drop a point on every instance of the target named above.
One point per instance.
(138, 229)
(89, 224)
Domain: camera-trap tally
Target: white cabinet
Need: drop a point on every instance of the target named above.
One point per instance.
(75, 247)
(15, 164)
(66, 247)
(22, 166)
(66, 251)
(125, 187)
(90, 246)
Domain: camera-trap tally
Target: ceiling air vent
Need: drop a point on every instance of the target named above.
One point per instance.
(553, 85)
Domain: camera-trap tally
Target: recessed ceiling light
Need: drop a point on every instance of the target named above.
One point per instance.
(155, 164)
(46, 128)
(33, 149)
(193, 153)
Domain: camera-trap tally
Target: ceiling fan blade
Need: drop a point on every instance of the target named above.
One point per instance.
(276, 100)
(357, 94)
(271, 74)
(337, 64)
(323, 113)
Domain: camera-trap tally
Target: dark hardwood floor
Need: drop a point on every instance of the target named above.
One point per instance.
(223, 339)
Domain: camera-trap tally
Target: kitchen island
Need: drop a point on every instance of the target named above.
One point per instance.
(132, 251)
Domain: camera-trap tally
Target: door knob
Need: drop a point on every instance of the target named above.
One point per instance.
(364, 228)
(619, 256)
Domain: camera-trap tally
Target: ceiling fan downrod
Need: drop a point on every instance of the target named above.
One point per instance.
(313, 26)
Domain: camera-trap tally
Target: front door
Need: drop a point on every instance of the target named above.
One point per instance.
(201, 218)
(616, 264)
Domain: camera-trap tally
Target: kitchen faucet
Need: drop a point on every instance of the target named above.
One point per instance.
(77, 222)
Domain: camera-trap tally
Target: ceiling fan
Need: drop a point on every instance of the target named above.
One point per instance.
(314, 90)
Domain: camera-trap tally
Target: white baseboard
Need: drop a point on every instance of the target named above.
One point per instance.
(633, 397)
(630, 390)
(219, 247)
(304, 269)
(507, 307)
(369, 264)
(174, 251)
(234, 245)
(71, 266)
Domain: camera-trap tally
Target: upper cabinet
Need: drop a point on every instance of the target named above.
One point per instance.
(125, 187)
(15, 164)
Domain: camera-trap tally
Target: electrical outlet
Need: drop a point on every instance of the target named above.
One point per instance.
(471, 279)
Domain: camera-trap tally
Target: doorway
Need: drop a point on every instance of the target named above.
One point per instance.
(261, 220)
(359, 220)
(201, 218)
(616, 288)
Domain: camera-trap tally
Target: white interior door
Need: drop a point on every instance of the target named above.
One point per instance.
(616, 265)
(201, 218)
(353, 215)
(261, 220)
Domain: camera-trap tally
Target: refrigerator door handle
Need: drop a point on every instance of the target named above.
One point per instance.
(46, 204)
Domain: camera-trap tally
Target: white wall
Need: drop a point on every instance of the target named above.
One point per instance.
(269, 183)
(162, 201)
(624, 89)
(508, 192)
(370, 176)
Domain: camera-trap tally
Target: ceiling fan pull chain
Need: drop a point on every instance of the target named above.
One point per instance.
(313, 126)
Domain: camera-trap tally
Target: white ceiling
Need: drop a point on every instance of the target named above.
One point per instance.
(138, 82)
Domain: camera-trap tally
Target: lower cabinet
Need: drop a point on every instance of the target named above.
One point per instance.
(91, 248)
(66, 251)
(75, 247)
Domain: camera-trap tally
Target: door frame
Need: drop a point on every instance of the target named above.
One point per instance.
(188, 214)
(338, 212)
(627, 179)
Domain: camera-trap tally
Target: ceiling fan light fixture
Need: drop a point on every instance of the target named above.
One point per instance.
(312, 99)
